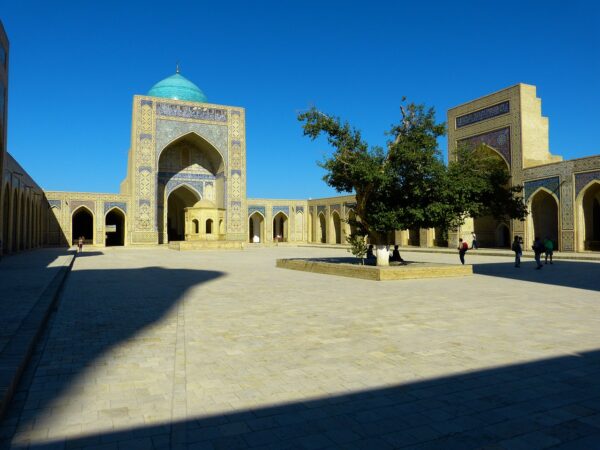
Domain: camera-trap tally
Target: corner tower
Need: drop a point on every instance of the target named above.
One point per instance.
(187, 166)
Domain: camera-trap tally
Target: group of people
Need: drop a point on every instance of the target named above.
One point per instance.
(539, 247)
(394, 257)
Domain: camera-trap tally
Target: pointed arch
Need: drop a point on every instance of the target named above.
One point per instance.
(280, 227)
(543, 219)
(195, 138)
(336, 227)
(588, 217)
(322, 228)
(256, 227)
(82, 224)
(115, 220)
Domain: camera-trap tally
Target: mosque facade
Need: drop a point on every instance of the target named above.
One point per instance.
(186, 183)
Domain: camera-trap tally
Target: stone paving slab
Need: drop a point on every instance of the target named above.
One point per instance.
(161, 349)
(29, 283)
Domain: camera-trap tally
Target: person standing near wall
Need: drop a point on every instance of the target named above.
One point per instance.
(474, 244)
(462, 249)
(538, 248)
(518, 249)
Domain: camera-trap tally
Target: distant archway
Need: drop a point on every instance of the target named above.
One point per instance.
(5, 218)
(322, 228)
(114, 227)
(82, 225)
(280, 227)
(543, 217)
(337, 227)
(256, 228)
(181, 198)
(590, 210)
(15, 221)
(502, 236)
(209, 226)
(491, 232)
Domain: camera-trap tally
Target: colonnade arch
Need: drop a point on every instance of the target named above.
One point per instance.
(6, 218)
(114, 227)
(336, 223)
(82, 225)
(588, 217)
(20, 227)
(280, 227)
(543, 217)
(322, 228)
(183, 197)
(256, 228)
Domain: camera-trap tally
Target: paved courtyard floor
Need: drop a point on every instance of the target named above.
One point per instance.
(152, 348)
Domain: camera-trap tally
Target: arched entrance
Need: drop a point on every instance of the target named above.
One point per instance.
(490, 231)
(280, 227)
(322, 228)
(114, 228)
(503, 236)
(15, 221)
(191, 161)
(544, 217)
(590, 208)
(82, 225)
(256, 228)
(337, 227)
(5, 219)
(181, 198)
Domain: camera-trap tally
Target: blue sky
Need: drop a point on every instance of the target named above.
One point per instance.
(76, 65)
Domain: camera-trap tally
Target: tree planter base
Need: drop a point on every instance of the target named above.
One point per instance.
(411, 270)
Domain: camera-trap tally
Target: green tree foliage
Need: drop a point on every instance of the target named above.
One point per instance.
(358, 246)
(406, 184)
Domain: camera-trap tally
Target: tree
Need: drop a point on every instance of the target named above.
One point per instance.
(358, 246)
(406, 184)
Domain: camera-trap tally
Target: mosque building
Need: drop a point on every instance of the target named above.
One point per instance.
(186, 183)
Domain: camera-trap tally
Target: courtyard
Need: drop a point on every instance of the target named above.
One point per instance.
(152, 348)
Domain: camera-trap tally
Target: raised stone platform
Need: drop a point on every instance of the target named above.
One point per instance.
(206, 245)
(345, 268)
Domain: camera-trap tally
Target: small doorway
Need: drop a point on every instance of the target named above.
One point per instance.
(82, 226)
(280, 227)
(115, 228)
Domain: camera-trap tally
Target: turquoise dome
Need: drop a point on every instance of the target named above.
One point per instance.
(178, 87)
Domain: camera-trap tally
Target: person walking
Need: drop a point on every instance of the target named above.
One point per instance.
(462, 249)
(538, 248)
(80, 244)
(474, 243)
(549, 249)
(518, 249)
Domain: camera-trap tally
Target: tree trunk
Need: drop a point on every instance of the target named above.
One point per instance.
(383, 255)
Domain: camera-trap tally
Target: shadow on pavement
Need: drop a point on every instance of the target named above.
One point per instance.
(574, 274)
(553, 402)
(81, 332)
